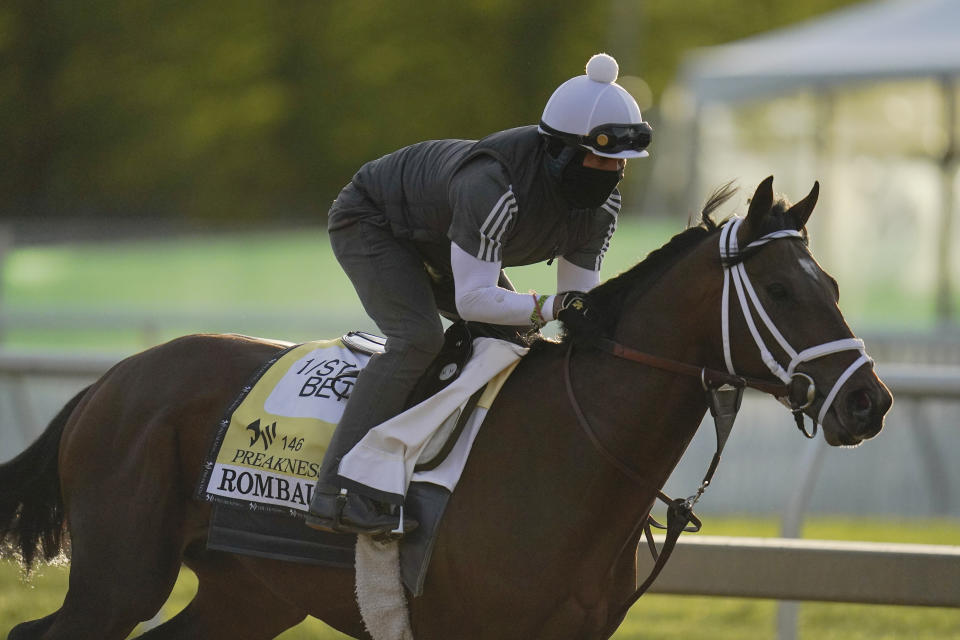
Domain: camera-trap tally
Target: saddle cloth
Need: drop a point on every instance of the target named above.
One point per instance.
(262, 465)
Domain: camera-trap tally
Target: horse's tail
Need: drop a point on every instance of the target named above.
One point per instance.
(31, 507)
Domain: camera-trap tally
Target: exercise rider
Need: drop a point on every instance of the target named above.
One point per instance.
(427, 229)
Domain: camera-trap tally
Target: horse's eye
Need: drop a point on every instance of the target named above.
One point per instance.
(777, 291)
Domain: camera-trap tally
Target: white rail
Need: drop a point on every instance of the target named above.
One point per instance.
(28, 363)
(789, 569)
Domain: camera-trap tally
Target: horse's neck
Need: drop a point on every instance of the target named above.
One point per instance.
(562, 513)
(642, 416)
(645, 417)
(559, 482)
(645, 414)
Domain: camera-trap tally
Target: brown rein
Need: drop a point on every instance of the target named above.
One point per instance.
(711, 378)
(679, 511)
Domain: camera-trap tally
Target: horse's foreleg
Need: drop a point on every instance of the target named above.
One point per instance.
(230, 603)
(325, 593)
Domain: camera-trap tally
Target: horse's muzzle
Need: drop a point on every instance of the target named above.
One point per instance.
(860, 410)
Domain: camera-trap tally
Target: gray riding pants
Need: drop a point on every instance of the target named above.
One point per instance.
(397, 294)
(404, 302)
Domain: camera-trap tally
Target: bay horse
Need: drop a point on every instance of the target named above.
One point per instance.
(540, 538)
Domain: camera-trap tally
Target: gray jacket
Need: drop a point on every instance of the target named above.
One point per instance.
(495, 198)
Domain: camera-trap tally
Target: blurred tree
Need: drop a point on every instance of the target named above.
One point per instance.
(253, 110)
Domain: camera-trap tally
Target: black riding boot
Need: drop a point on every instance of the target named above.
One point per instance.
(352, 512)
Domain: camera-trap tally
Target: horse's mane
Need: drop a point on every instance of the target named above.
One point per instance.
(609, 296)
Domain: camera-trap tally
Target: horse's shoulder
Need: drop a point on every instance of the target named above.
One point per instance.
(545, 350)
(544, 359)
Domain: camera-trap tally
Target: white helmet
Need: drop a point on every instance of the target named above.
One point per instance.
(594, 112)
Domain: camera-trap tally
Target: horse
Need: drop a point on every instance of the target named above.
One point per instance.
(540, 538)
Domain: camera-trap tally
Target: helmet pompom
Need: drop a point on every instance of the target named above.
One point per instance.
(602, 68)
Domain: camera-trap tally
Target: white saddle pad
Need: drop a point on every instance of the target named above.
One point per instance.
(385, 458)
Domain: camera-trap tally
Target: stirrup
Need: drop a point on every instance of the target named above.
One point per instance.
(399, 530)
(394, 534)
(341, 503)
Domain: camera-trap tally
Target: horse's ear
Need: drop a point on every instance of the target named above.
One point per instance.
(801, 211)
(760, 205)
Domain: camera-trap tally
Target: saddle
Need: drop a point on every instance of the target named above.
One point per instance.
(456, 351)
(446, 367)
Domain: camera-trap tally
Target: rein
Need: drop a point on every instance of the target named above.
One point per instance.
(725, 392)
(710, 378)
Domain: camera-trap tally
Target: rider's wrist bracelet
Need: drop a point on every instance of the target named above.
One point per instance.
(536, 316)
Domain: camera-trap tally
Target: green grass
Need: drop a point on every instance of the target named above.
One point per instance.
(736, 618)
(43, 594)
(227, 283)
(152, 282)
(655, 616)
(290, 273)
(201, 273)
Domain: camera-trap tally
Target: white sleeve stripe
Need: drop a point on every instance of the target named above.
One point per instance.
(488, 232)
(493, 228)
(606, 243)
(486, 223)
(496, 243)
(492, 240)
(612, 205)
(493, 219)
(507, 195)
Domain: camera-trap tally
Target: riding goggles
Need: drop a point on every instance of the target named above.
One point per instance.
(608, 138)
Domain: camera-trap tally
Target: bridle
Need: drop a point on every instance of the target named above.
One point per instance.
(725, 389)
(733, 270)
(732, 261)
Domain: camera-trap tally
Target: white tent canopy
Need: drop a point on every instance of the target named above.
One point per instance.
(866, 43)
(882, 40)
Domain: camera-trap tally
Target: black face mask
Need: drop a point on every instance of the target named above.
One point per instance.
(586, 187)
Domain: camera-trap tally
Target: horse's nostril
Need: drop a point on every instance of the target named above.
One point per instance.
(859, 402)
